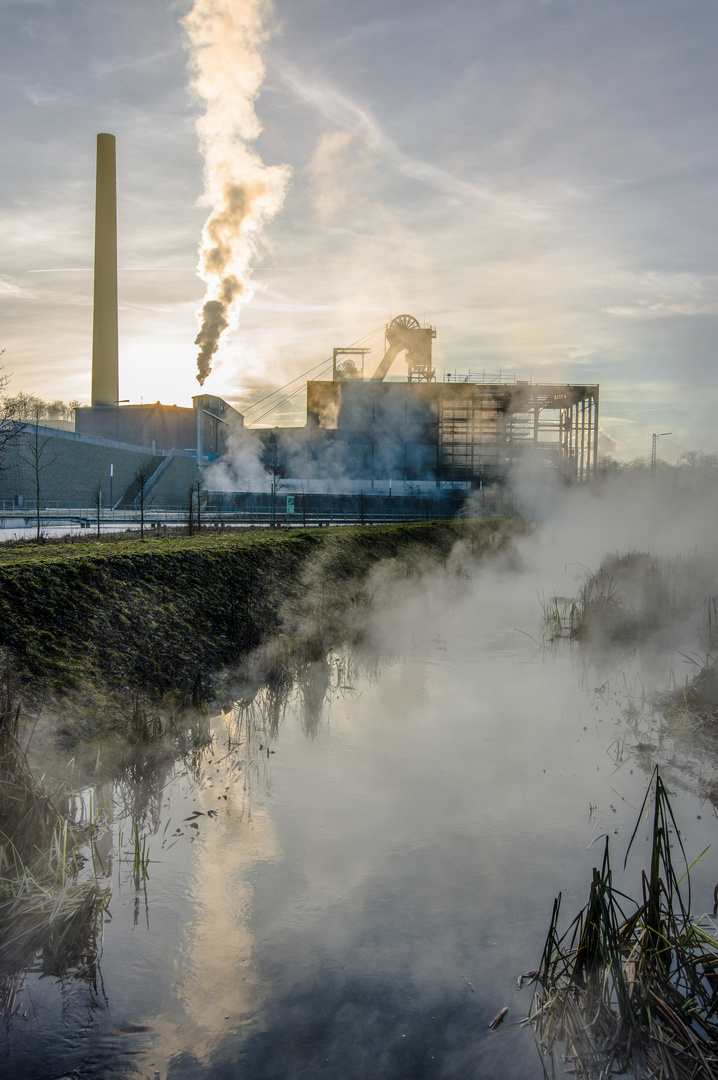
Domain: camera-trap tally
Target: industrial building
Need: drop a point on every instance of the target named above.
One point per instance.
(364, 429)
(467, 431)
(70, 469)
(202, 431)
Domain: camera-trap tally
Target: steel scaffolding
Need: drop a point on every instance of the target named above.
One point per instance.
(483, 428)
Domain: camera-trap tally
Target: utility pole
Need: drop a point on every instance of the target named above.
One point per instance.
(656, 437)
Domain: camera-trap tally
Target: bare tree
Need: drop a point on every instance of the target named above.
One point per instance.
(190, 509)
(29, 407)
(36, 451)
(194, 498)
(11, 428)
(97, 503)
(141, 477)
(59, 410)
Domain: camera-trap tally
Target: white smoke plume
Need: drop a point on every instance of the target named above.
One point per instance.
(240, 467)
(225, 39)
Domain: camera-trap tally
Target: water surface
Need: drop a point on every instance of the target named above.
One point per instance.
(350, 880)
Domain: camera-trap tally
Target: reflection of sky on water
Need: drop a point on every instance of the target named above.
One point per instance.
(214, 985)
(351, 880)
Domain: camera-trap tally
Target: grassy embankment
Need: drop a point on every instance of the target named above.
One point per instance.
(158, 616)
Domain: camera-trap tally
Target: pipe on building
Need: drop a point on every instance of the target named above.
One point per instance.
(199, 409)
(105, 364)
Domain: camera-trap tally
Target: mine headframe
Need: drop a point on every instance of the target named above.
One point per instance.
(348, 364)
(404, 333)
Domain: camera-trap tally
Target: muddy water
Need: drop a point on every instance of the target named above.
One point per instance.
(349, 881)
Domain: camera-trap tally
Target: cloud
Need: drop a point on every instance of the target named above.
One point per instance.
(653, 294)
(48, 96)
(347, 117)
(606, 443)
(8, 287)
(339, 169)
(102, 68)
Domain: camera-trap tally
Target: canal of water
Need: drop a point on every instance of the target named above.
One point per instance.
(350, 879)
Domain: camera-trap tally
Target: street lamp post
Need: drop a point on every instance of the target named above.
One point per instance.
(656, 437)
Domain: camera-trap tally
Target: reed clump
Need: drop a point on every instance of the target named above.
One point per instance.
(638, 597)
(599, 614)
(633, 992)
(698, 699)
(49, 919)
(28, 816)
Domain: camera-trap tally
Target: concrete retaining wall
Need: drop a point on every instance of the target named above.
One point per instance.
(71, 467)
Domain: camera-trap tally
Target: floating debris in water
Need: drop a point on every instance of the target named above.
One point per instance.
(499, 1018)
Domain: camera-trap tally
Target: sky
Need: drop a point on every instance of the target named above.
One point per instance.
(535, 178)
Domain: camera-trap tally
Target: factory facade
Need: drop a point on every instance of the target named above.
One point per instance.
(454, 432)
(202, 431)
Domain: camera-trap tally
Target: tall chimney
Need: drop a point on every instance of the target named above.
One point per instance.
(105, 378)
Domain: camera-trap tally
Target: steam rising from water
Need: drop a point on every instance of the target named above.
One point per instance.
(225, 39)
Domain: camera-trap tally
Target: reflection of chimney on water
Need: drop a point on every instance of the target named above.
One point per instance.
(104, 313)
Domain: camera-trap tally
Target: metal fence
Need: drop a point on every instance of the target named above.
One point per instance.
(262, 516)
(261, 511)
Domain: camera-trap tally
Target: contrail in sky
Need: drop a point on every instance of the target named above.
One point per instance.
(225, 39)
(162, 269)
